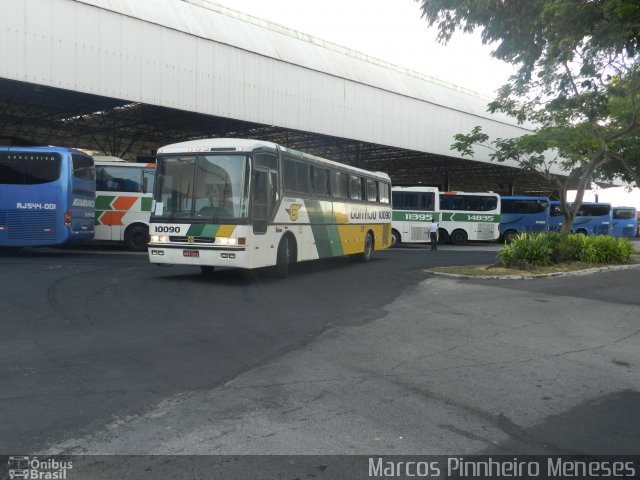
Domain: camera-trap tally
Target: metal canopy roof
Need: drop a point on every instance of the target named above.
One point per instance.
(50, 116)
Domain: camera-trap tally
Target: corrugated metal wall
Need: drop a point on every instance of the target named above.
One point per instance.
(176, 54)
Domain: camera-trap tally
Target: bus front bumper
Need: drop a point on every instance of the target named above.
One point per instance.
(183, 255)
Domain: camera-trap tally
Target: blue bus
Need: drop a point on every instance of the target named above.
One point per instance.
(625, 222)
(47, 196)
(592, 218)
(520, 214)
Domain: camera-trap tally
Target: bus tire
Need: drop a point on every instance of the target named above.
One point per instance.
(458, 237)
(365, 256)
(443, 236)
(581, 231)
(137, 237)
(9, 250)
(509, 236)
(286, 254)
(396, 238)
(207, 269)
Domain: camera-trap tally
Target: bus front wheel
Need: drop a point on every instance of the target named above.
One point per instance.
(206, 269)
(396, 239)
(136, 238)
(284, 257)
(581, 231)
(458, 237)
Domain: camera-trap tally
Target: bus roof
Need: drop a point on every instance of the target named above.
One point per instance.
(248, 145)
(38, 149)
(123, 163)
(523, 197)
(415, 189)
(557, 202)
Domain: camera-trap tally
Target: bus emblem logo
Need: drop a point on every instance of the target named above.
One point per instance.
(293, 211)
(190, 239)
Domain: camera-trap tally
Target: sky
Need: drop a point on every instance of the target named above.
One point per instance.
(393, 31)
(389, 30)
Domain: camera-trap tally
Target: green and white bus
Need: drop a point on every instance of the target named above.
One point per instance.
(461, 216)
(124, 193)
(249, 204)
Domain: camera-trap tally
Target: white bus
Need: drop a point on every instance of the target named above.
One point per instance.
(250, 204)
(124, 194)
(461, 216)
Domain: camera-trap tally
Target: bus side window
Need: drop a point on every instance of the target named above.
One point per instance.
(340, 184)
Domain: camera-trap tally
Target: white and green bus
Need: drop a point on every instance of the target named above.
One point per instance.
(124, 193)
(250, 204)
(461, 216)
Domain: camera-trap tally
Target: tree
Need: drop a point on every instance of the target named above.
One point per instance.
(577, 81)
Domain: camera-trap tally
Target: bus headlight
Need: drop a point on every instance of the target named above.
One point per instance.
(231, 241)
(159, 239)
(227, 241)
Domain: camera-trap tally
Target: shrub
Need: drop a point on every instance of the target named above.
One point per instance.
(551, 248)
(533, 249)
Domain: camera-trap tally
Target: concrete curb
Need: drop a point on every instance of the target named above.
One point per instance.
(585, 271)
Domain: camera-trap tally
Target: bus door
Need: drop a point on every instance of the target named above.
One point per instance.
(260, 200)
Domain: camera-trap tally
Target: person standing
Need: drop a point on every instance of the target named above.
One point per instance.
(433, 234)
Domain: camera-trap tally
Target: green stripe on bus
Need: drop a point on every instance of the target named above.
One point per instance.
(146, 204)
(469, 217)
(326, 236)
(103, 202)
(203, 230)
(411, 216)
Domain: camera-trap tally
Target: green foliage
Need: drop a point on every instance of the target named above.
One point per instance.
(578, 82)
(552, 248)
(530, 249)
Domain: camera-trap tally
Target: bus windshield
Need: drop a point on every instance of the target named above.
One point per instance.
(205, 187)
(23, 168)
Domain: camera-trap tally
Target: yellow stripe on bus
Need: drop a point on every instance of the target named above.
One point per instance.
(352, 237)
(225, 231)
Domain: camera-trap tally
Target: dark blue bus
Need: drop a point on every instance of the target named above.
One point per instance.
(520, 214)
(47, 196)
(592, 218)
(625, 222)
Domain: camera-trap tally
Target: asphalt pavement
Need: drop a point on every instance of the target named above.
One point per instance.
(106, 354)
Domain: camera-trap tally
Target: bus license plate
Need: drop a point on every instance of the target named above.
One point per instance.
(190, 253)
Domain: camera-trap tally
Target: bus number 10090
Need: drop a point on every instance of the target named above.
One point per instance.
(166, 229)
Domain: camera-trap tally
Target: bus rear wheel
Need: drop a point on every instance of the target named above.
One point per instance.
(509, 236)
(136, 238)
(581, 231)
(396, 239)
(368, 248)
(443, 236)
(458, 237)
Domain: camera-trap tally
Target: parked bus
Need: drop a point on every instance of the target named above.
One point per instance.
(124, 194)
(461, 216)
(469, 216)
(624, 222)
(413, 210)
(47, 196)
(250, 204)
(520, 214)
(592, 218)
